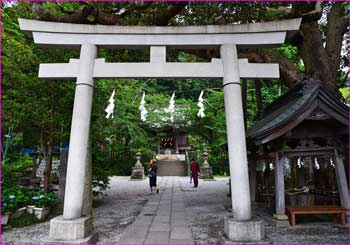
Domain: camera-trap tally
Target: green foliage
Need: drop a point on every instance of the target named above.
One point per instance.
(291, 53)
(7, 177)
(100, 180)
(9, 168)
(41, 199)
(25, 219)
(18, 197)
(345, 93)
(14, 198)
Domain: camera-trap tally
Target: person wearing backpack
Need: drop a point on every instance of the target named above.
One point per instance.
(152, 174)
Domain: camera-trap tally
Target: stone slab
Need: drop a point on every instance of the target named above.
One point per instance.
(223, 240)
(280, 220)
(136, 232)
(131, 240)
(160, 227)
(161, 219)
(76, 229)
(89, 239)
(181, 241)
(244, 231)
(280, 223)
(157, 237)
(179, 223)
(180, 233)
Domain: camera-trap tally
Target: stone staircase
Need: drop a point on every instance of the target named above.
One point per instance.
(171, 168)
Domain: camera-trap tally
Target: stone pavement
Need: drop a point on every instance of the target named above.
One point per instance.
(179, 214)
(163, 220)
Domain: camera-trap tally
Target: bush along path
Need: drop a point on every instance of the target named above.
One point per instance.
(21, 206)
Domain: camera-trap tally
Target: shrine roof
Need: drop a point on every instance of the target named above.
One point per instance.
(294, 107)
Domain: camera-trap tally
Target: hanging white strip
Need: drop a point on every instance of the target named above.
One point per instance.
(142, 108)
(171, 107)
(317, 166)
(110, 108)
(201, 105)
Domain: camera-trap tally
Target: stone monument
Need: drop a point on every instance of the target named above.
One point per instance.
(206, 170)
(138, 172)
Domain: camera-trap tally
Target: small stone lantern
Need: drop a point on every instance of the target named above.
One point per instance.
(138, 171)
(206, 170)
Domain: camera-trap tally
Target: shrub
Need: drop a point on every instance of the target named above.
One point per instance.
(42, 200)
(100, 180)
(24, 220)
(9, 180)
(15, 198)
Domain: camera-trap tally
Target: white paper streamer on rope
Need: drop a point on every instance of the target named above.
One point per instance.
(300, 162)
(317, 166)
(142, 108)
(110, 108)
(201, 105)
(171, 107)
(271, 166)
(109, 139)
(286, 167)
(331, 161)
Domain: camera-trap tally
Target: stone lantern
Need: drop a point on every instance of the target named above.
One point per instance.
(206, 171)
(138, 171)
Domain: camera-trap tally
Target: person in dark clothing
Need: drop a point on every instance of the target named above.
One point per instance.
(152, 174)
(195, 170)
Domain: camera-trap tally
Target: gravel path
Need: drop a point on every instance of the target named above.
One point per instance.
(206, 207)
(209, 205)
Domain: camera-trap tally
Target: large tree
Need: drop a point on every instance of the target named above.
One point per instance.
(319, 41)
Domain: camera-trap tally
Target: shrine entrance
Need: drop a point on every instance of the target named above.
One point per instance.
(75, 225)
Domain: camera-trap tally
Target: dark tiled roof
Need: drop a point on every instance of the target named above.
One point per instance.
(293, 107)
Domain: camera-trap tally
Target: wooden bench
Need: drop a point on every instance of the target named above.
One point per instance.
(337, 210)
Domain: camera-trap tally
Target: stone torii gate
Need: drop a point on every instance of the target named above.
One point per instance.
(75, 226)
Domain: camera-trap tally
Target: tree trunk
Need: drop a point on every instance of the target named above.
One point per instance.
(322, 57)
(48, 168)
(259, 101)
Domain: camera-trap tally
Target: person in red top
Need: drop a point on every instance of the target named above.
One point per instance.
(195, 171)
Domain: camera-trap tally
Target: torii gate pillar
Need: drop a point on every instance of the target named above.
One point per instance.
(75, 226)
(240, 227)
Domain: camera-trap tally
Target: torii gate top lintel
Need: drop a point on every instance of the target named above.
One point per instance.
(53, 34)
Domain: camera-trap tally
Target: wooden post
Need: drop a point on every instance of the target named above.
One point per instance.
(279, 187)
(301, 176)
(279, 218)
(252, 180)
(341, 181)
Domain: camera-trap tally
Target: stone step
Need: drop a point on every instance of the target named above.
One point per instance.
(171, 174)
(171, 168)
(170, 162)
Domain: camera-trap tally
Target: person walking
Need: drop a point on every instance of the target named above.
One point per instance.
(152, 174)
(195, 170)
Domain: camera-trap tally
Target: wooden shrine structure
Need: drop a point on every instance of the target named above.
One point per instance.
(305, 123)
